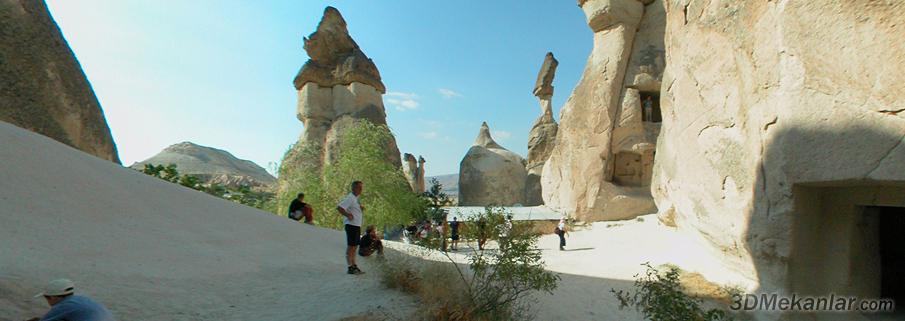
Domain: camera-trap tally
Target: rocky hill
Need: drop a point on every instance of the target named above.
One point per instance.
(211, 165)
(42, 86)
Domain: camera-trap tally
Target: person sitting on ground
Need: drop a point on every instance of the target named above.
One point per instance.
(370, 243)
(66, 305)
(298, 209)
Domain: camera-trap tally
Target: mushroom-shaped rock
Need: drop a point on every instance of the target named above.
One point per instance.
(335, 57)
(490, 174)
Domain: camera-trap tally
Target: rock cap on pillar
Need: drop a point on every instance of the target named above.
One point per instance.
(544, 85)
(335, 58)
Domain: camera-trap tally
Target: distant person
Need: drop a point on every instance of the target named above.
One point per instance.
(561, 231)
(353, 211)
(66, 306)
(298, 209)
(482, 233)
(454, 233)
(370, 242)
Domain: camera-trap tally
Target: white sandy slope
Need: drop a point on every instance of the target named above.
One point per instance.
(152, 250)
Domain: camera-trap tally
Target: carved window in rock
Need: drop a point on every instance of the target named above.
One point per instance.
(650, 107)
(629, 171)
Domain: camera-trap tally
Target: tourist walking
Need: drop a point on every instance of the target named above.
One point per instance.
(353, 212)
(561, 231)
(66, 305)
(370, 242)
(298, 209)
(482, 233)
(454, 233)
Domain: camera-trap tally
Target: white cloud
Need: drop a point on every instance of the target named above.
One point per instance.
(500, 135)
(448, 93)
(428, 135)
(402, 101)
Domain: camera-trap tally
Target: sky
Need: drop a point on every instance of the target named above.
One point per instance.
(219, 73)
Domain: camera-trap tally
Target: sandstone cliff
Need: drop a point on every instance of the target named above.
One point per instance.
(782, 141)
(211, 165)
(42, 85)
(490, 174)
(600, 167)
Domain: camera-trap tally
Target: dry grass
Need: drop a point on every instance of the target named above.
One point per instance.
(437, 285)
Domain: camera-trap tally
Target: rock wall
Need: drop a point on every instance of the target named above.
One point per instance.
(336, 87)
(543, 133)
(42, 85)
(490, 175)
(782, 120)
(602, 162)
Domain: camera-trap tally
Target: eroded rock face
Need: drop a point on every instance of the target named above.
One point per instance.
(601, 164)
(414, 172)
(490, 174)
(335, 57)
(337, 86)
(777, 135)
(211, 165)
(543, 133)
(42, 85)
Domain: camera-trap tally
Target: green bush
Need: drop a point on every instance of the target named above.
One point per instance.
(659, 297)
(242, 195)
(495, 285)
(387, 197)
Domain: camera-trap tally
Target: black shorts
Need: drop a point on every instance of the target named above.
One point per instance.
(353, 235)
(455, 237)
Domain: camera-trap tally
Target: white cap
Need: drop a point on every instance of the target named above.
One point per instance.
(58, 287)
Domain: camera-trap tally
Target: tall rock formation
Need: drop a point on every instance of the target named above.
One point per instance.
(336, 87)
(601, 164)
(782, 142)
(414, 172)
(211, 165)
(543, 133)
(42, 85)
(490, 174)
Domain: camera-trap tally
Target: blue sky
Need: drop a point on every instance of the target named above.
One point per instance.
(219, 73)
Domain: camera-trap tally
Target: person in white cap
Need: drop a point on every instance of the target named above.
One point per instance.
(66, 305)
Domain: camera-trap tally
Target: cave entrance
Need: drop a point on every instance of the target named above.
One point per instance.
(892, 251)
(650, 106)
(849, 240)
(629, 170)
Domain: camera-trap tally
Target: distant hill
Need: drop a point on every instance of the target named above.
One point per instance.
(211, 165)
(450, 183)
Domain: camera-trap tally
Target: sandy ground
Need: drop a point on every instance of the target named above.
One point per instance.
(152, 250)
(604, 256)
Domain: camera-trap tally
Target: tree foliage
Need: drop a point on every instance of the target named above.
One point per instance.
(242, 195)
(387, 197)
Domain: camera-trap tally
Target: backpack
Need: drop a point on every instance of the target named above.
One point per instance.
(297, 215)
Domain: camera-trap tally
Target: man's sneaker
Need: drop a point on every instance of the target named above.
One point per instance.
(355, 270)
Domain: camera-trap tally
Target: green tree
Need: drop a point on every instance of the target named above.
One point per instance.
(387, 197)
(658, 295)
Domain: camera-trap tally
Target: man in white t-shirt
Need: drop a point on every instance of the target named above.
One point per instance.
(353, 212)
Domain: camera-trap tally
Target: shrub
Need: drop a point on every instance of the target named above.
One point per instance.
(387, 197)
(242, 195)
(659, 297)
(496, 283)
